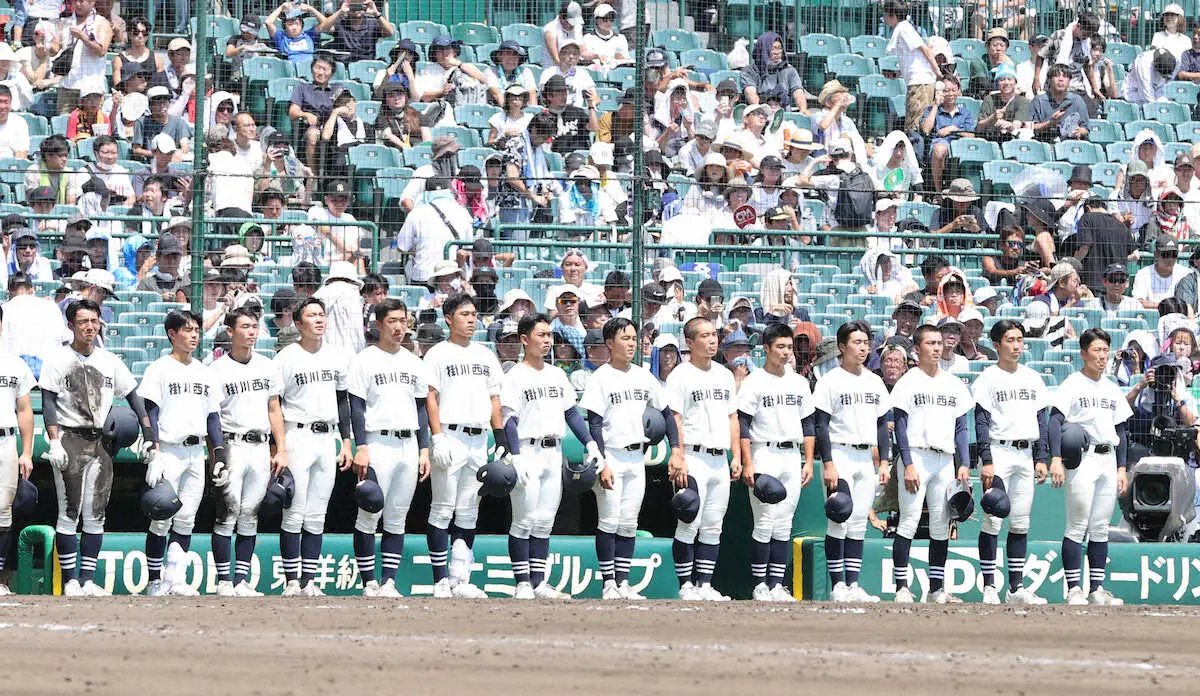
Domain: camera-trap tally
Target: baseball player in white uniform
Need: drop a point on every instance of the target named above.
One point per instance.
(388, 390)
(461, 374)
(615, 399)
(930, 409)
(702, 397)
(538, 404)
(1011, 403)
(775, 412)
(851, 427)
(248, 388)
(316, 413)
(1093, 401)
(16, 414)
(183, 407)
(78, 384)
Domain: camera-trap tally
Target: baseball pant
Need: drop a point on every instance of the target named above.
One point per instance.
(775, 521)
(9, 472)
(183, 467)
(857, 467)
(618, 508)
(936, 472)
(249, 475)
(1091, 495)
(312, 459)
(1015, 468)
(455, 491)
(712, 478)
(538, 492)
(394, 461)
(83, 486)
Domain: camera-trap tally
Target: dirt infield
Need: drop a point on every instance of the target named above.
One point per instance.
(420, 646)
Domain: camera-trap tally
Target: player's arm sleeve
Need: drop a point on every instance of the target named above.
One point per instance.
(138, 405)
(49, 408)
(901, 417)
(808, 425)
(1054, 432)
(744, 421)
(596, 428)
(672, 428)
(1043, 443)
(422, 423)
(344, 428)
(216, 438)
(152, 418)
(358, 419)
(821, 431)
(962, 442)
(983, 434)
(507, 436)
(883, 436)
(1122, 444)
(577, 426)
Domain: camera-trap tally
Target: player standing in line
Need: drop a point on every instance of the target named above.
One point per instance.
(1011, 411)
(852, 437)
(702, 397)
(461, 373)
(78, 384)
(538, 404)
(615, 399)
(183, 406)
(388, 390)
(775, 409)
(16, 414)
(1093, 401)
(248, 388)
(930, 408)
(316, 412)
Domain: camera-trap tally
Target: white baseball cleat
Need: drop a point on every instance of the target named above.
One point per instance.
(4, 591)
(524, 591)
(182, 590)
(72, 589)
(91, 589)
(689, 592)
(1076, 597)
(311, 590)
(388, 589)
(710, 594)
(441, 589)
(225, 588)
(990, 595)
(904, 596)
(762, 593)
(547, 591)
(1023, 595)
(857, 595)
(465, 590)
(156, 588)
(243, 589)
(610, 591)
(628, 592)
(942, 597)
(292, 588)
(371, 589)
(1103, 598)
(840, 593)
(780, 594)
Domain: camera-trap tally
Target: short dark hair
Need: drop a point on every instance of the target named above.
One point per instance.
(236, 313)
(1091, 336)
(179, 318)
(689, 329)
(1059, 69)
(452, 303)
(5, 91)
(1088, 21)
(922, 331)
(616, 325)
(326, 58)
(845, 330)
(931, 264)
(372, 282)
(544, 124)
(154, 179)
(20, 279)
(74, 308)
(306, 273)
(1002, 327)
(101, 141)
(54, 143)
(1171, 305)
(298, 310)
(895, 8)
(617, 279)
(774, 332)
(529, 321)
(389, 305)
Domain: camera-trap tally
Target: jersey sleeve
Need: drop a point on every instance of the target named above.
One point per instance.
(25, 379)
(510, 391)
(274, 378)
(821, 395)
(123, 380)
(981, 392)
(433, 368)
(593, 396)
(421, 388)
(51, 377)
(151, 386)
(676, 386)
(343, 372)
(569, 398)
(731, 385)
(908, 37)
(901, 397)
(1062, 397)
(214, 390)
(495, 373)
(807, 408)
(963, 395)
(747, 398)
(357, 382)
(1123, 412)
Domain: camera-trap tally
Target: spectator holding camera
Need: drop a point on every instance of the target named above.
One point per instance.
(295, 42)
(85, 36)
(400, 70)
(1058, 112)
(356, 26)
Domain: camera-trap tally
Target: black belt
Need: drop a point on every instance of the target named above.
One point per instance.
(465, 429)
(85, 433)
(253, 437)
(635, 447)
(857, 447)
(1102, 449)
(189, 441)
(402, 434)
(318, 427)
(783, 445)
(1016, 444)
(707, 450)
(933, 449)
(5, 432)
(546, 442)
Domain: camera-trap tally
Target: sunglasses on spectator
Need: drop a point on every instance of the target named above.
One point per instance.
(1117, 278)
(26, 245)
(1015, 243)
(568, 300)
(1168, 254)
(225, 109)
(139, 32)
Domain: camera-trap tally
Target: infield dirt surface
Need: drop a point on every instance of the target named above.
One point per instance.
(175, 647)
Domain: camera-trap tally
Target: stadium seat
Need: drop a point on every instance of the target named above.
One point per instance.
(1183, 92)
(1166, 112)
(1188, 132)
(877, 90)
(417, 156)
(1174, 150)
(1027, 151)
(303, 70)
(1105, 173)
(968, 48)
(1119, 152)
(609, 98)
(422, 32)
(704, 60)
(475, 115)
(869, 46)
(475, 33)
(465, 136)
(1019, 51)
(1164, 131)
(1121, 53)
(816, 48)
(889, 64)
(391, 182)
(1120, 111)
(476, 156)
(1078, 152)
(364, 70)
(367, 110)
(999, 174)
(526, 35)
(922, 212)
(1103, 132)
(676, 40)
(383, 49)
(971, 154)
(38, 125)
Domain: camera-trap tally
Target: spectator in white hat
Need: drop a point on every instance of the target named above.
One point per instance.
(88, 120)
(605, 49)
(1173, 36)
(574, 267)
(159, 121)
(12, 77)
(567, 26)
(987, 298)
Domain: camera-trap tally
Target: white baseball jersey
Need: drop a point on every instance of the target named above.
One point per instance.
(932, 405)
(184, 394)
(538, 398)
(854, 404)
(1013, 399)
(620, 398)
(85, 385)
(704, 399)
(16, 380)
(311, 382)
(464, 377)
(1096, 405)
(777, 405)
(389, 383)
(244, 391)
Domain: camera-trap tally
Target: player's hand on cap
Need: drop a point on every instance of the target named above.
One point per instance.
(57, 456)
(1058, 474)
(26, 465)
(829, 475)
(735, 470)
(964, 474)
(677, 468)
(500, 453)
(594, 458)
(885, 473)
(806, 475)
(278, 461)
(440, 452)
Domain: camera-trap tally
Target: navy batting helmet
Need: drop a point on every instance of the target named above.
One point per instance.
(279, 493)
(26, 498)
(654, 424)
(1074, 443)
(367, 493)
(161, 502)
(578, 477)
(686, 502)
(121, 429)
(769, 489)
(995, 501)
(839, 505)
(498, 478)
(959, 503)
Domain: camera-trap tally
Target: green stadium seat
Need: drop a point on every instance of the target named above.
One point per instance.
(527, 35)
(922, 212)
(1174, 150)
(38, 125)
(889, 64)
(1121, 53)
(1037, 347)
(704, 60)
(383, 48)
(1078, 152)
(364, 70)
(869, 46)
(609, 98)
(1121, 111)
(264, 69)
(1019, 51)
(813, 302)
(392, 181)
(1183, 92)
(1027, 151)
(1119, 152)
(1058, 371)
(1105, 173)
(422, 32)
(475, 33)
(1127, 323)
(1103, 132)
(972, 154)
(416, 156)
(1164, 131)
(1167, 112)
(999, 174)
(1188, 132)
(466, 137)
(1063, 168)
(367, 110)
(475, 156)
(475, 115)
(676, 40)
(816, 48)
(968, 48)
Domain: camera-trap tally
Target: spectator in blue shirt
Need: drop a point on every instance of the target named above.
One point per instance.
(943, 123)
(1189, 62)
(1058, 112)
(295, 41)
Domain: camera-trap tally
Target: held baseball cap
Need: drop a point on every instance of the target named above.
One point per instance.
(985, 294)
